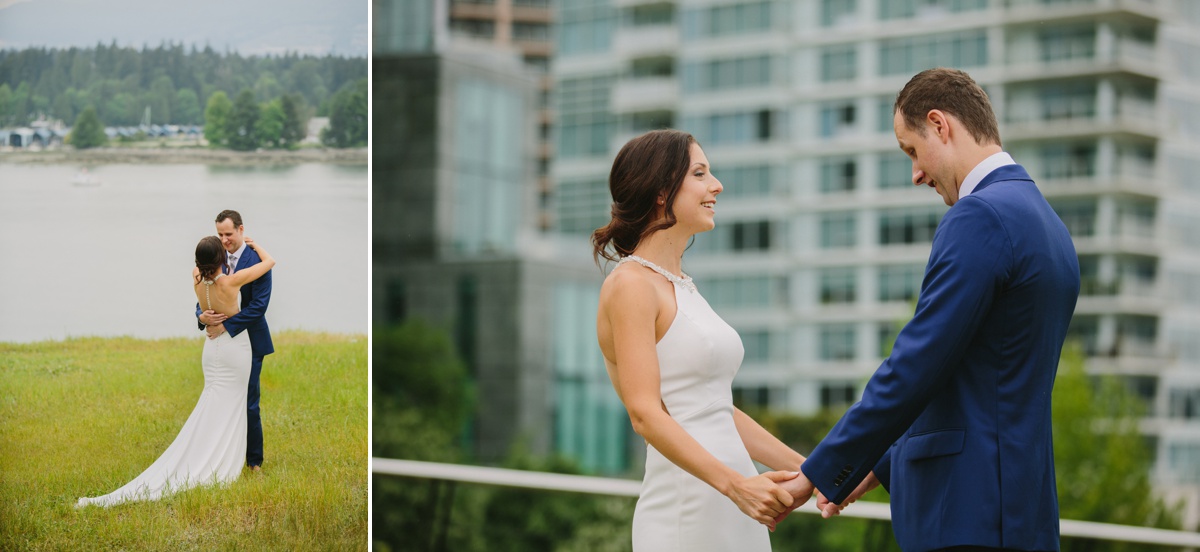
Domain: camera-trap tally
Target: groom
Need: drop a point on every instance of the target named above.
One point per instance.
(956, 422)
(255, 297)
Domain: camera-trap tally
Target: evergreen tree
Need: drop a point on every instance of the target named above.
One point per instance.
(240, 126)
(269, 129)
(295, 124)
(6, 104)
(88, 131)
(348, 117)
(187, 107)
(216, 116)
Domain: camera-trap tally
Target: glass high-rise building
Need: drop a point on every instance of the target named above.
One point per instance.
(822, 240)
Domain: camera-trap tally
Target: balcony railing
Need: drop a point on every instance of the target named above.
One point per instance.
(631, 488)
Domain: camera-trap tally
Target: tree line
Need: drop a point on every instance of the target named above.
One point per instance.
(174, 82)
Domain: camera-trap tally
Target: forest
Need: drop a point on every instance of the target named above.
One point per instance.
(170, 83)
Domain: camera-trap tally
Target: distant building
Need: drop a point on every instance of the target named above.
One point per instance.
(821, 239)
(455, 243)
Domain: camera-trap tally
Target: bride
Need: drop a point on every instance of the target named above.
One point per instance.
(211, 447)
(672, 361)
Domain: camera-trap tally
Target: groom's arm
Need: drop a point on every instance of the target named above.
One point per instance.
(198, 322)
(255, 310)
(971, 253)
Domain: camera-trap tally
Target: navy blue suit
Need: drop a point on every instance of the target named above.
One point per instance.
(256, 296)
(956, 422)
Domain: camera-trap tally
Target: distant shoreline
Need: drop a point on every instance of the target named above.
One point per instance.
(98, 156)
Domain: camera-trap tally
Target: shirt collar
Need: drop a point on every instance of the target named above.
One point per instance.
(984, 168)
(238, 254)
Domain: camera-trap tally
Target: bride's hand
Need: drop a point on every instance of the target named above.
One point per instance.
(761, 497)
(250, 242)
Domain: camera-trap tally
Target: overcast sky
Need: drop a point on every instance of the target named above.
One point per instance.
(246, 26)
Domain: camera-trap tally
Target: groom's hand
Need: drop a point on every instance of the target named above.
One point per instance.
(215, 331)
(829, 509)
(212, 318)
(801, 490)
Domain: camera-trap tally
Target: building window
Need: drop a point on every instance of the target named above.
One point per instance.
(731, 128)
(895, 171)
(735, 237)
(1068, 160)
(727, 20)
(1184, 403)
(1084, 330)
(583, 206)
(838, 175)
(839, 230)
(887, 116)
(743, 291)
(900, 282)
(586, 27)
(757, 344)
(752, 397)
(585, 124)
(727, 74)
(834, 12)
(744, 181)
(905, 56)
(839, 63)
(837, 342)
(1059, 43)
(908, 226)
(837, 119)
(538, 32)
(1183, 461)
(1079, 216)
(838, 285)
(903, 9)
(838, 395)
(475, 28)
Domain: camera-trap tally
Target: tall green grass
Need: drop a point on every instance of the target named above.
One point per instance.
(82, 417)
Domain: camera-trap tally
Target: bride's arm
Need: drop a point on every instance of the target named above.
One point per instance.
(631, 313)
(250, 274)
(763, 447)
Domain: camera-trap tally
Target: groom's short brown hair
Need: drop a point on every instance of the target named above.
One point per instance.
(231, 215)
(954, 92)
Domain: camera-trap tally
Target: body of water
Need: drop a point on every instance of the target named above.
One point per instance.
(112, 254)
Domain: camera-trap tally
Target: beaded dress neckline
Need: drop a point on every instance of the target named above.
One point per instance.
(685, 281)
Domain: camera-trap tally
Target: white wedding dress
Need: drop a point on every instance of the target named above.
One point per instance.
(211, 447)
(697, 360)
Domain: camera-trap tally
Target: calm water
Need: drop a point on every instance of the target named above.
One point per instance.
(116, 258)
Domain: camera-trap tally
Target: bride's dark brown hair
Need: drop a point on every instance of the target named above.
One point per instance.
(647, 168)
(210, 257)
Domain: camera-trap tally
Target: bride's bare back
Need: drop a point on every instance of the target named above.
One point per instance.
(221, 293)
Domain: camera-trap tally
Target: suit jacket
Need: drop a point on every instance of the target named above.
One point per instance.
(956, 422)
(255, 297)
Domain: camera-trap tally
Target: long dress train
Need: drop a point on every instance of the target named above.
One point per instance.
(211, 447)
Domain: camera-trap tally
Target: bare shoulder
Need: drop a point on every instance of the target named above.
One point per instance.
(629, 288)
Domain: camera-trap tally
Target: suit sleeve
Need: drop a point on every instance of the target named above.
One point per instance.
(967, 266)
(198, 322)
(254, 311)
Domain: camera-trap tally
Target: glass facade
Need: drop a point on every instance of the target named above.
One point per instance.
(489, 175)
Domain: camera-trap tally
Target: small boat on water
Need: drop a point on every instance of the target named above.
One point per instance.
(84, 178)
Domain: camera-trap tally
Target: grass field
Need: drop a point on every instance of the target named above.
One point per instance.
(84, 416)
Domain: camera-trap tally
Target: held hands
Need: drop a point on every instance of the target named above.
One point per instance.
(829, 509)
(762, 497)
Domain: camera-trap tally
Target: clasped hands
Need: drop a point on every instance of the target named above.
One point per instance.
(771, 496)
(214, 322)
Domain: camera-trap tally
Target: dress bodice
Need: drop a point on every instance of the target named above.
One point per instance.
(698, 356)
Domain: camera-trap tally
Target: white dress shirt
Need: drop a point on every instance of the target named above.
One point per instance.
(235, 257)
(984, 168)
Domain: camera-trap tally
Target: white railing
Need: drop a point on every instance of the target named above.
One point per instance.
(630, 488)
